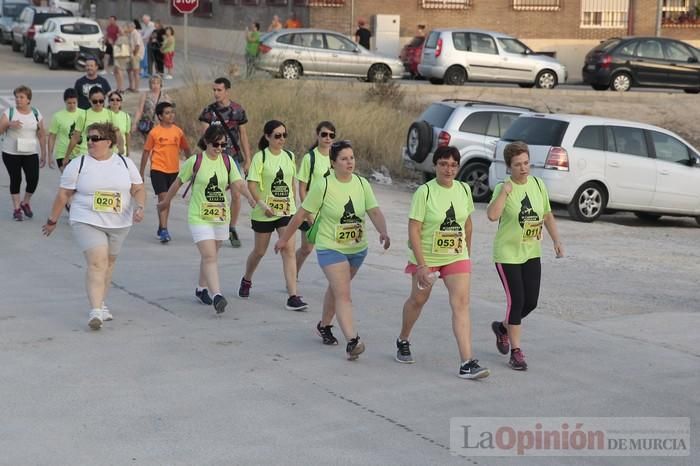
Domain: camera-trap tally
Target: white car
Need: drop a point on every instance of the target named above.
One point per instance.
(59, 40)
(592, 164)
(71, 5)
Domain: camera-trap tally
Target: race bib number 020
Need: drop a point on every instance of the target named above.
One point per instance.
(348, 233)
(280, 205)
(448, 242)
(532, 231)
(107, 201)
(213, 212)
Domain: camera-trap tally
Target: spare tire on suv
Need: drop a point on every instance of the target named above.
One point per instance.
(419, 140)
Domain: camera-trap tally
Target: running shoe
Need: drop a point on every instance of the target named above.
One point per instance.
(517, 360)
(220, 303)
(158, 232)
(233, 237)
(403, 352)
(502, 340)
(472, 370)
(203, 296)
(26, 209)
(95, 319)
(244, 289)
(325, 332)
(294, 303)
(106, 313)
(164, 235)
(17, 215)
(354, 348)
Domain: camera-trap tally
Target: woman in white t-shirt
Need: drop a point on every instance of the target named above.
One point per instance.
(107, 196)
(24, 138)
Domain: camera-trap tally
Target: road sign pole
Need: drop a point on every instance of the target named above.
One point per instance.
(187, 42)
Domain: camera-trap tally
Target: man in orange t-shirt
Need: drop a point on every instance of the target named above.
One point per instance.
(164, 145)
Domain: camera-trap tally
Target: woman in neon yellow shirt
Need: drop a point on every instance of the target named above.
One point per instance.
(521, 206)
(340, 204)
(440, 238)
(120, 119)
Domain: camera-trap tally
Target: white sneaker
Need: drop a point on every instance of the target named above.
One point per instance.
(168, 76)
(106, 314)
(95, 321)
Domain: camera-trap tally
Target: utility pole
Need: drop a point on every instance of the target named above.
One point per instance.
(659, 9)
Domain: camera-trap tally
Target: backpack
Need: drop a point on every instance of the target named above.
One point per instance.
(312, 164)
(427, 195)
(291, 156)
(198, 164)
(34, 111)
(82, 161)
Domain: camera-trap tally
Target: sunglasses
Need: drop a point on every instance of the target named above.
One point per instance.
(95, 138)
(279, 135)
(98, 101)
(326, 134)
(216, 145)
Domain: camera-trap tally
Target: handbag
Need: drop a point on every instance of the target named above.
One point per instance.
(122, 51)
(145, 125)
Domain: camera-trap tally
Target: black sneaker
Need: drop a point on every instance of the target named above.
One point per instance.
(220, 303)
(517, 360)
(502, 340)
(403, 352)
(294, 303)
(326, 334)
(354, 348)
(233, 237)
(244, 289)
(203, 296)
(472, 370)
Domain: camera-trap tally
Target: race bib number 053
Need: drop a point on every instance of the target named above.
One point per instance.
(348, 233)
(107, 201)
(213, 212)
(448, 242)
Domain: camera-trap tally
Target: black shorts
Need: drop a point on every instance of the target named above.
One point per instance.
(109, 50)
(269, 227)
(161, 182)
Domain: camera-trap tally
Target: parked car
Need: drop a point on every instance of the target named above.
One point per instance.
(69, 5)
(59, 40)
(411, 54)
(621, 63)
(455, 56)
(9, 12)
(591, 164)
(471, 126)
(28, 24)
(292, 53)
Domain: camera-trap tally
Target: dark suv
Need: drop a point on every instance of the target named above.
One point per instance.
(28, 24)
(621, 63)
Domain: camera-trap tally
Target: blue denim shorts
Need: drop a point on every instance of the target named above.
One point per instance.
(329, 257)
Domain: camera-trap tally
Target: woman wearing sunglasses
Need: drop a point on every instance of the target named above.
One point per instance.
(314, 166)
(208, 213)
(271, 183)
(107, 196)
(97, 113)
(340, 202)
(440, 239)
(120, 119)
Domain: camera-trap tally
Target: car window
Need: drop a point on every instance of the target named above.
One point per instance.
(676, 52)
(285, 39)
(460, 41)
(607, 46)
(670, 149)
(437, 115)
(80, 28)
(591, 137)
(505, 119)
(650, 48)
(492, 129)
(630, 141)
(476, 123)
(513, 46)
(431, 43)
(13, 10)
(482, 43)
(629, 48)
(338, 43)
(537, 131)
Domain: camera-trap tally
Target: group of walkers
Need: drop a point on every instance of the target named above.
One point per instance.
(104, 193)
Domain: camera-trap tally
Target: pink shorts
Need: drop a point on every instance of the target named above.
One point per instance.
(463, 266)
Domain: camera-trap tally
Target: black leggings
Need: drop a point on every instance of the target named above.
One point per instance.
(15, 164)
(522, 285)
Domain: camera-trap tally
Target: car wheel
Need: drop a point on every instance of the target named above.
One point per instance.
(691, 91)
(588, 203)
(476, 175)
(599, 87)
(290, 70)
(697, 220)
(546, 79)
(526, 85)
(455, 76)
(36, 57)
(378, 74)
(15, 46)
(436, 81)
(621, 82)
(419, 140)
(648, 217)
(51, 60)
(28, 49)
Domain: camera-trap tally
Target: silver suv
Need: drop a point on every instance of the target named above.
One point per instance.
(471, 126)
(453, 56)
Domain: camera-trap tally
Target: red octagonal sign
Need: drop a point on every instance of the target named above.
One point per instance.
(185, 6)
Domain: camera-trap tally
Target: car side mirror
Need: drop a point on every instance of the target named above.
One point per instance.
(692, 60)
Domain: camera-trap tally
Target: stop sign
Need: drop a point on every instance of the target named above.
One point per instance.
(185, 6)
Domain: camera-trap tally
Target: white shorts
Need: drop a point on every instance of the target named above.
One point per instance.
(91, 236)
(217, 232)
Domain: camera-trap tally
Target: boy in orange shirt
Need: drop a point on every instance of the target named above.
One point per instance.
(164, 145)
